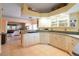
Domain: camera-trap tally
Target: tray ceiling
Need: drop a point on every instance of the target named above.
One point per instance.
(45, 7)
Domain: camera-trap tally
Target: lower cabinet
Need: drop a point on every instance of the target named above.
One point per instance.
(44, 37)
(71, 43)
(68, 44)
(30, 39)
(61, 41)
(53, 40)
(58, 40)
(75, 42)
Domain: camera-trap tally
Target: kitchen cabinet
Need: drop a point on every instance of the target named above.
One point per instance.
(30, 39)
(53, 40)
(61, 41)
(75, 41)
(68, 44)
(71, 42)
(44, 37)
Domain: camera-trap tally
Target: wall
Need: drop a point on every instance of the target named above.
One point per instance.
(0, 16)
(32, 24)
(16, 20)
(74, 9)
(4, 25)
(24, 21)
(11, 10)
(76, 17)
(70, 8)
(25, 11)
(44, 22)
(53, 22)
(62, 10)
(0, 26)
(73, 13)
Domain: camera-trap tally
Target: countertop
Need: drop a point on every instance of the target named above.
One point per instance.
(62, 33)
(75, 36)
(72, 34)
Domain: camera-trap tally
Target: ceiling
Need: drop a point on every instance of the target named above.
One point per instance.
(44, 7)
(14, 9)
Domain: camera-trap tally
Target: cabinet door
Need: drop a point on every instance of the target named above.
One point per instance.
(30, 39)
(61, 41)
(35, 38)
(68, 44)
(75, 41)
(27, 39)
(52, 39)
(55, 40)
(44, 38)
